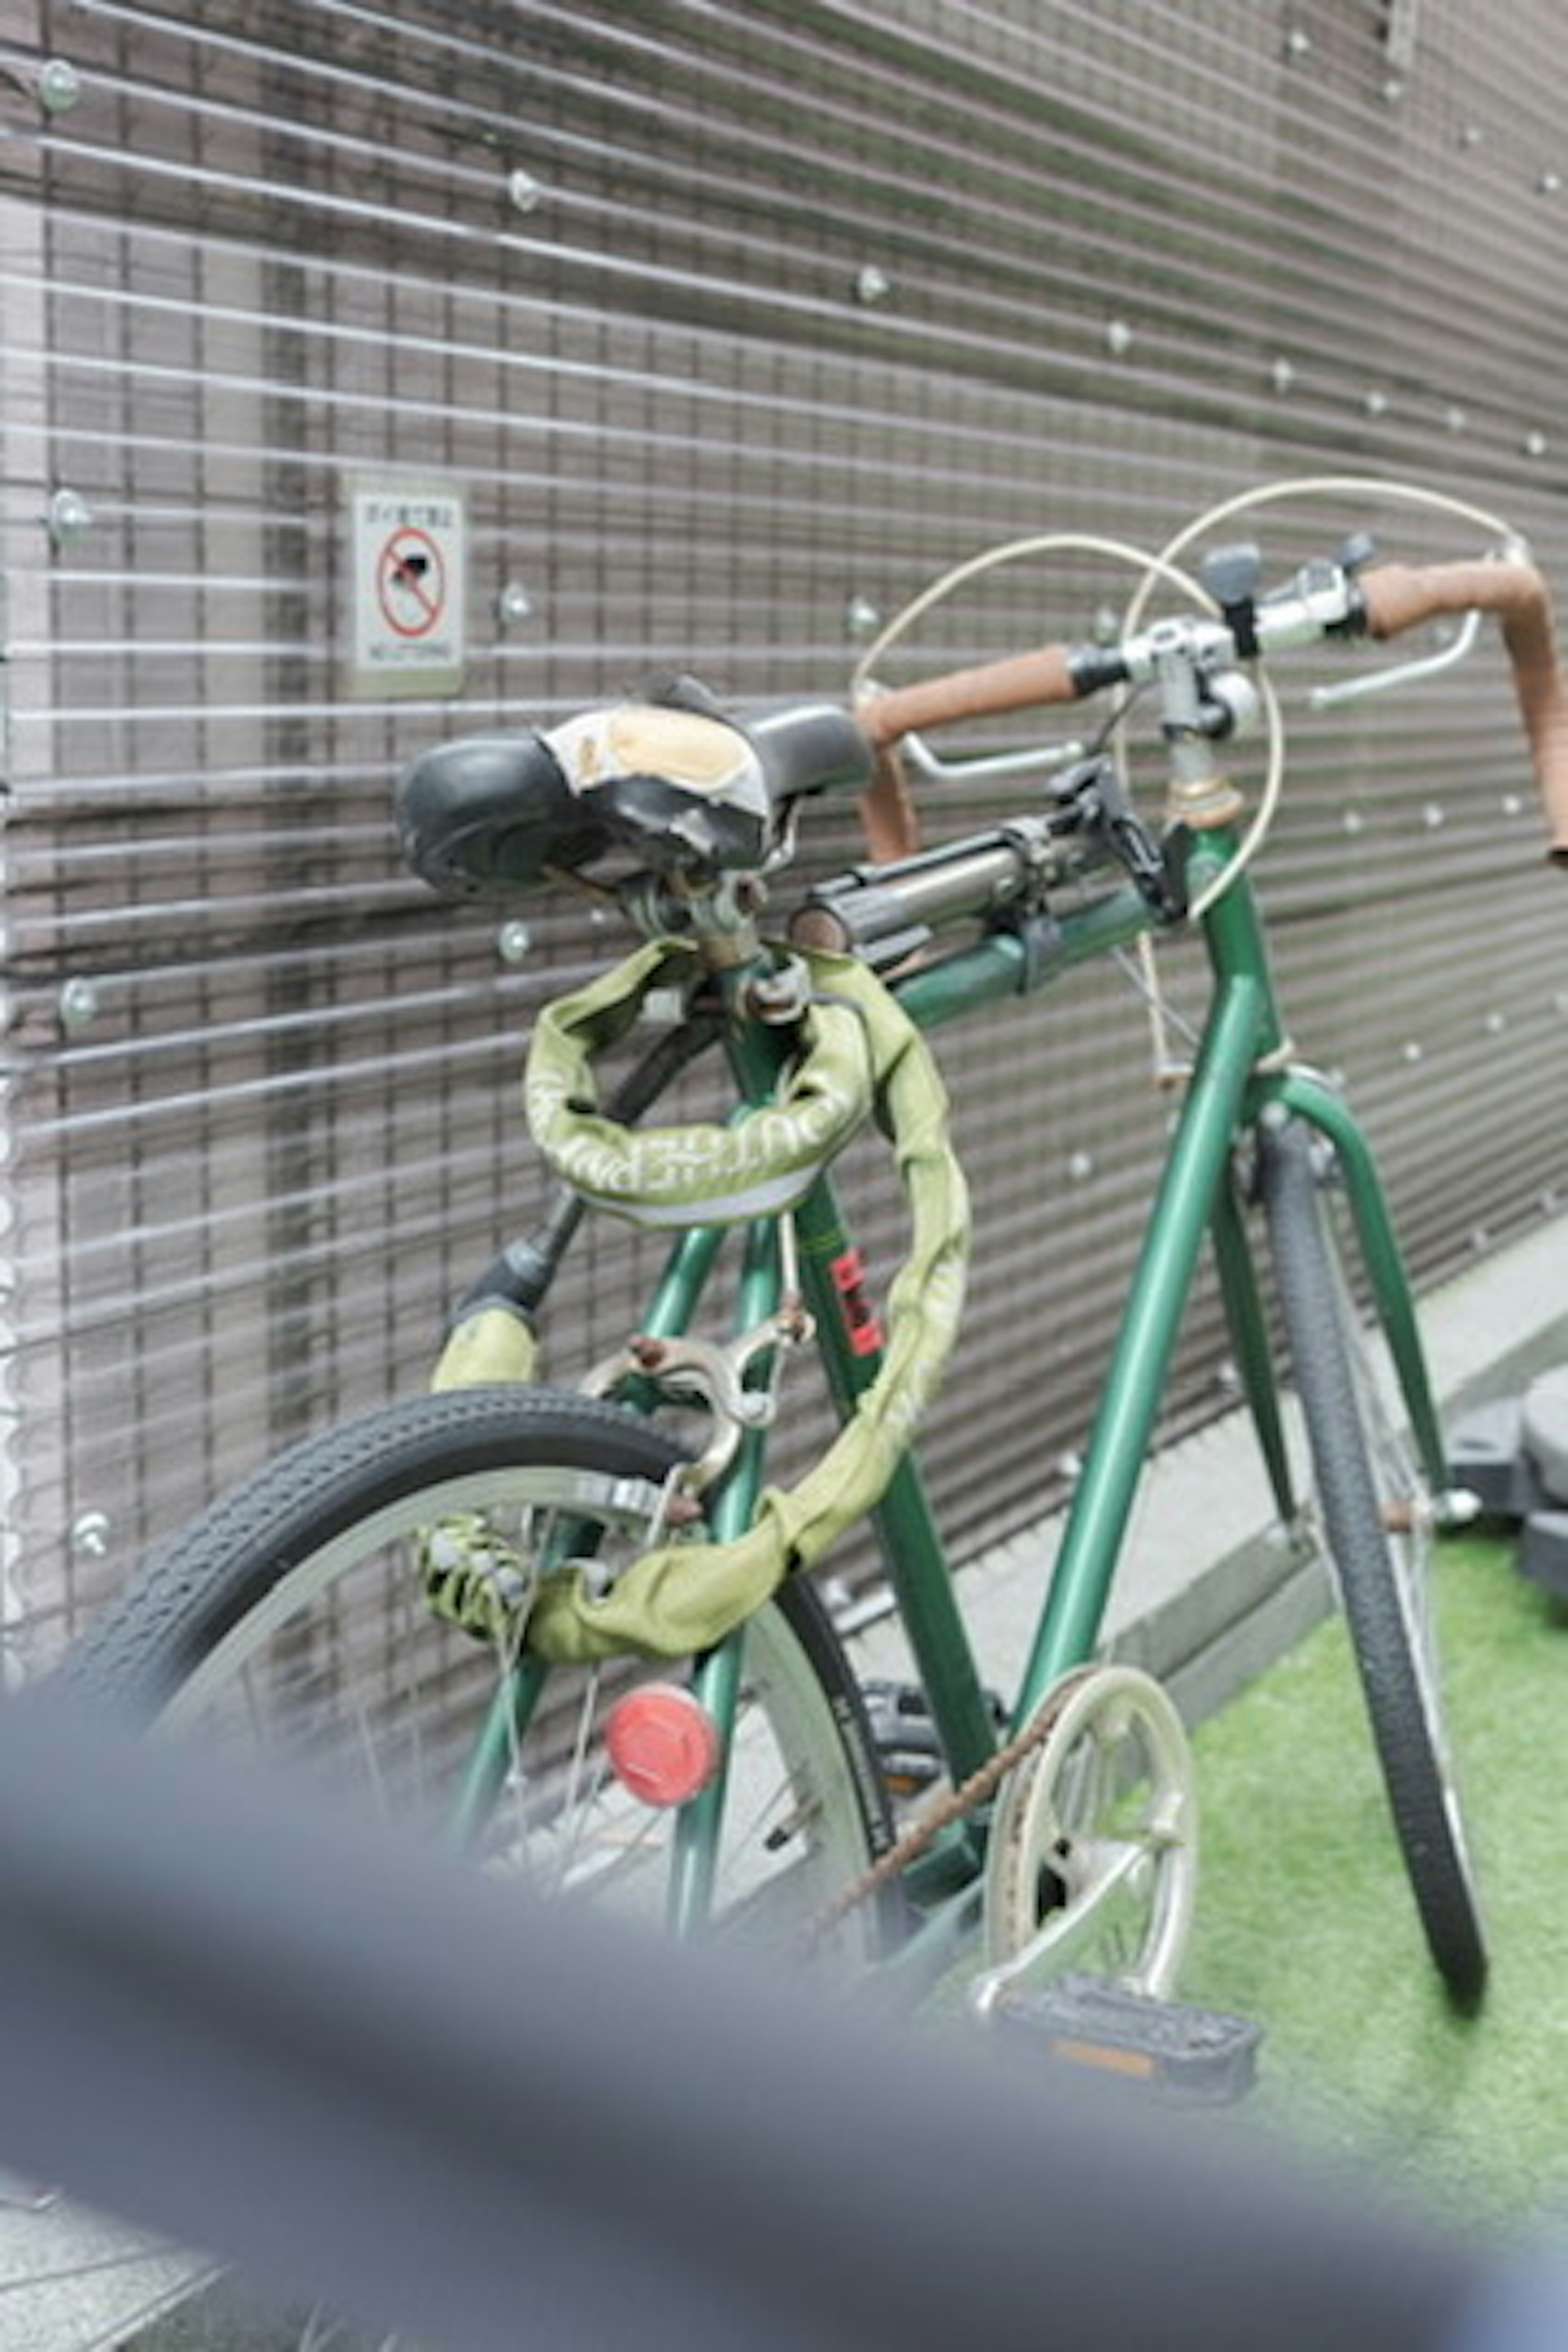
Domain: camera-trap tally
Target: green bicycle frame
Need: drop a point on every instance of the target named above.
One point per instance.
(1243, 1076)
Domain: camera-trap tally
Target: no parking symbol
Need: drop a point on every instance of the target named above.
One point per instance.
(407, 558)
(411, 583)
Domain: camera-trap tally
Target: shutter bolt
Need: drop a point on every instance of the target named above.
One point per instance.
(513, 942)
(872, 285)
(524, 192)
(90, 1531)
(59, 86)
(78, 1004)
(68, 517)
(513, 604)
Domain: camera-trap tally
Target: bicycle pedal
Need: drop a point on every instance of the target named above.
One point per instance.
(904, 1736)
(1199, 2056)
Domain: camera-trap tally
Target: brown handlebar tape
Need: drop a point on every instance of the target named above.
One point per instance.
(1397, 596)
(984, 692)
(887, 816)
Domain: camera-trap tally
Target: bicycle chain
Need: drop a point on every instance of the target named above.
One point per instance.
(953, 1807)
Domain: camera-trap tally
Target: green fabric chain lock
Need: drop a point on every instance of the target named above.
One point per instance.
(700, 1174)
(861, 1054)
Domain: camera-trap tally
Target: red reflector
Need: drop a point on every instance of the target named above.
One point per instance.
(663, 1745)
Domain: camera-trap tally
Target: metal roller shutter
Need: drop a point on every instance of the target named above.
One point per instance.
(728, 326)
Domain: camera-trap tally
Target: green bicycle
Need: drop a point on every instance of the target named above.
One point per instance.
(575, 1629)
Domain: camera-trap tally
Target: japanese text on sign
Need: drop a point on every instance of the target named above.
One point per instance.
(407, 568)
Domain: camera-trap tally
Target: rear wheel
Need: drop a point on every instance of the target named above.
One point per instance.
(1378, 1518)
(290, 1622)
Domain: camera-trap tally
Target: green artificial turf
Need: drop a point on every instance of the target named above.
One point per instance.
(1306, 1925)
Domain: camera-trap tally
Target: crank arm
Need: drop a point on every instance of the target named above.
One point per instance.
(1050, 1949)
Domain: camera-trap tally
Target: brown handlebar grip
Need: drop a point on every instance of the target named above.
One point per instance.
(1397, 596)
(888, 816)
(1044, 676)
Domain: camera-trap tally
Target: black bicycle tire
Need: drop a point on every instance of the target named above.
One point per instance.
(1409, 1743)
(196, 1587)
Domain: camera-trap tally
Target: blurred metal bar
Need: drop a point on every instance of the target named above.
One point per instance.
(363, 2073)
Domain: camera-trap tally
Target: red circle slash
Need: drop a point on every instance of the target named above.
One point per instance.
(411, 583)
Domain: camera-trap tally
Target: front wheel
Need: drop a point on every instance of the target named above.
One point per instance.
(1378, 1516)
(291, 1621)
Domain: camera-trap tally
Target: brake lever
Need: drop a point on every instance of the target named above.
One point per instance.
(985, 767)
(1383, 681)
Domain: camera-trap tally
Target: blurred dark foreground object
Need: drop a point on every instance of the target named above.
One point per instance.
(361, 2073)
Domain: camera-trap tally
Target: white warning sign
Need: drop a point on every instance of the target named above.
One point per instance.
(408, 567)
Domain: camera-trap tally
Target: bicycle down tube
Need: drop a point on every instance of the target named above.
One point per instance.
(1242, 1027)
